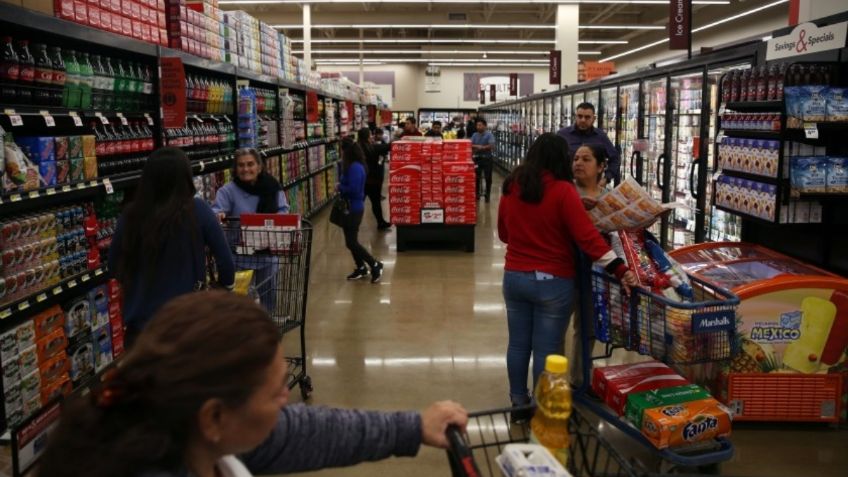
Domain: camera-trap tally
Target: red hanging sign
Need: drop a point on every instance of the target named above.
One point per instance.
(482, 96)
(385, 117)
(555, 68)
(312, 107)
(513, 84)
(172, 92)
(492, 93)
(680, 24)
(350, 114)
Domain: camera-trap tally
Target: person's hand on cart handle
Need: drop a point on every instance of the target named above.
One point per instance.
(222, 216)
(628, 281)
(436, 419)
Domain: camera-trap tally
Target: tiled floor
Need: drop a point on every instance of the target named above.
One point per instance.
(435, 329)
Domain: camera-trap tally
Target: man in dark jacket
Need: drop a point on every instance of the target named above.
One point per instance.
(583, 131)
(435, 129)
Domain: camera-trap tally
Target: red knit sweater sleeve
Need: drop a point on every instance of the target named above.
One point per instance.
(502, 228)
(580, 226)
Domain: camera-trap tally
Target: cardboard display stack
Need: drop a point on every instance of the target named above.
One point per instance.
(194, 26)
(432, 174)
(143, 19)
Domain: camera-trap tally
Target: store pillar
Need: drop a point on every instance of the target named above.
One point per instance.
(567, 23)
(307, 35)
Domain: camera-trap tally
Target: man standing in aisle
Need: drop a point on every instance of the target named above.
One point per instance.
(435, 130)
(410, 129)
(482, 146)
(584, 132)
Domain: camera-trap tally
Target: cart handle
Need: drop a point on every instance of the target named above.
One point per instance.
(461, 458)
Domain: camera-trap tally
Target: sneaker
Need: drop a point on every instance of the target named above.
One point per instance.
(376, 272)
(358, 273)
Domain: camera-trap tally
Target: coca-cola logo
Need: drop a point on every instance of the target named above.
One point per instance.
(44, 76)
(455, 209)
(455, 180)
(401, 209)
(58, 77)
(12, 72)
(27, 74)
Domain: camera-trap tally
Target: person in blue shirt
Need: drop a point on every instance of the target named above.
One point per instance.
(158, 250)
(252, 190)
(482, 146)
(583, 132)
(352, 188)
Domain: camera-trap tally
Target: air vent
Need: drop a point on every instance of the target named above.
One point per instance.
(457, 17)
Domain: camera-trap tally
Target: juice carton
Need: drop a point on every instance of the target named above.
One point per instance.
(686, 423)
(638, 403)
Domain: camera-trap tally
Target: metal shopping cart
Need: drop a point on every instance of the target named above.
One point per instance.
(473, 452)
(273, 259)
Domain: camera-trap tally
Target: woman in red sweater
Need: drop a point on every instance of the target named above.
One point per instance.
(541, 218)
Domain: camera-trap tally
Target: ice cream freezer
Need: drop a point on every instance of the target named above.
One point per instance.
(792, 328)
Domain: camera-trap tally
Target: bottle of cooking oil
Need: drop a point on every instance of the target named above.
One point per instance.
(549, 426)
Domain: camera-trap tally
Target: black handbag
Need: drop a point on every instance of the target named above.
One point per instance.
(341, 211)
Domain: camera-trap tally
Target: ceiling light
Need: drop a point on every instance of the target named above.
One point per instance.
(457, 40)
(488, 65)
(431, 60)
(538, 2)
(465, 26)
(700, 28)
(428, 52)
(621, 27)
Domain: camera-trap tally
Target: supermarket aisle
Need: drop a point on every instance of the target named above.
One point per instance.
(435, 329)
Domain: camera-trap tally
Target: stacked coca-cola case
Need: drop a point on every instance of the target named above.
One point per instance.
(432, 175)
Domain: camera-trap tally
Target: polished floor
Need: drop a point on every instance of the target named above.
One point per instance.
(434, 329)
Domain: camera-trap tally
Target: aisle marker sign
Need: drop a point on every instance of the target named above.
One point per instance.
(513, 84)
(172, 90)
(555, 68)
(679, 24)
(492, 93)
(807, 38)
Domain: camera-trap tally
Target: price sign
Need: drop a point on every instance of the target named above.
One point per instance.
(98, 272)
(85, 278)
(23, 306)
(811, 130)
(48, 119)
(66, 188)
(41, 297)
(123, 119)
(81, 185)
(16, 120)
(5, 314)
(149, 119)
(33, 194)
(202, 166)
(57, 291)
(76, 118)
(72, 283)
(102, 118)
(51, 191)
(15, 198)
(108, 184)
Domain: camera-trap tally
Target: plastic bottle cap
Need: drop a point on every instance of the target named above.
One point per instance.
(556, 363)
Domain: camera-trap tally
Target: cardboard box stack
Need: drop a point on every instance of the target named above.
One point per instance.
(140, 19)
(432, 191)
(405, 184)
(271, 50)
(288, 59)
(246, 30)
(194, 26)
(459, 179)
(614, 383)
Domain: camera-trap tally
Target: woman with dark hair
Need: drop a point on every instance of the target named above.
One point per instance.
(251, 191)
(541, 219)
(374, 152)
(352, 188)
(204, 392)
(159, 248)
(589, 167)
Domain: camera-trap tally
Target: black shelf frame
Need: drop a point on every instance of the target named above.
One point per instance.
(753, 177)
(751, 134)
(775, 106)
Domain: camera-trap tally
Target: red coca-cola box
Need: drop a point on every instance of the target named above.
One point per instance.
(460, 209)
(136, 29)
(162, 22)
(406, 219)
(617, 382)
(160, 4)
(163, 37)
(404, 189)
(405, 209)
(135, 10)
(460, 219)
(126, 26)
(105, 20)
(145, 32)
(454, 179)
(64, 9)
(404, 199)
(154, 35)
(115, 6)
(460, 189)
(144, 14)
(117, 342)
(126, 8)
(105, 5)
(454, 167)
(80, 12)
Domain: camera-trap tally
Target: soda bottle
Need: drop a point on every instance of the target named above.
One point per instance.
(71, 96)
(744, 81)
(753, 79)
(779, 84)
(58, 79)
(108, 86)
(43, 75)
(10, 71)
(138, 86)
(27, 72)
(120, 90)
(549, 426)
(86, 76)
(148, 88)
(771, 85)
(189, 93)
(98, 82)
(734, 86)
(762, 83)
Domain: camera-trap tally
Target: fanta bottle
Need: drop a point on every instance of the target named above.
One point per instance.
(549, 426)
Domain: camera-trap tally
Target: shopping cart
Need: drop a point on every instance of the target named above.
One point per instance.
(472, 453)
(276, 259)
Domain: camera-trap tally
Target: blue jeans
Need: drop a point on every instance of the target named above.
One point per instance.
(538, 311)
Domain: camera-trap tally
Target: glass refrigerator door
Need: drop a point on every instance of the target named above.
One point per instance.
(567, 120)
(593, 97)
(546, 126)
(654, 114)
(556, 116)
(609, 103)
(540, 118)
(628, 103)
(720, 226)
(576, 100)
(686, 99)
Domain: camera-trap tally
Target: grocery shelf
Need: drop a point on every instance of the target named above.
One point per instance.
(750, 176)
(42, 299)
(751, 134)
(261, 78)
(308, 175)
(318, 208)
(756, 106)
(276, 150)
(746, 216)
(198, 62)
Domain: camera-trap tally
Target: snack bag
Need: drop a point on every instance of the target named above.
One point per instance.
(837, 175)
(814, 103)
(686, 423)
(837, 104)
(794, 115)
(809, 174)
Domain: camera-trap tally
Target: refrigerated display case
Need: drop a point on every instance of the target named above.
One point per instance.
(654, 105)
(792, 333)
(567, 111)
(609, 112)
(628, 131)
(427, 116)
(686, 91)
(556, 114)
(547, 112)
(593, 97)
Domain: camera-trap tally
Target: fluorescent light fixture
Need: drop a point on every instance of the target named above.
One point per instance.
(465, 26)
(602, 42)
(427, 52)
(428, 60)
(700, 28)
(425, 41)
(537, 2)
(621, 27)
(517, 65)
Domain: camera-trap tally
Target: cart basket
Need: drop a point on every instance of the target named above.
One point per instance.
(675, 332)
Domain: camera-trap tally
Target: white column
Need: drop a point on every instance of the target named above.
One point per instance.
(361, 58)
(307, 35)
(567, 18)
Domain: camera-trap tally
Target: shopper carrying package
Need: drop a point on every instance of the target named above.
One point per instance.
(541, 219)
(375, 150)
(583, 132)
(483, 145)
(352, 188)
(158, 250)
(204, 393)
(251, 191)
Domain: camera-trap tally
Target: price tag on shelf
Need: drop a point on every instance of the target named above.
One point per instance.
(102, 118)
(72, 283)
(66, 188)
(5, 314)
(123, 119)
(108, 184)
(41, 297)
(811, 130)
(48, 119)
(50, 191)
(76, 118)
(23, 306)
(15, 198)
(149, 119)
(57, 291)
(98, 272)
(16, 120)
(81, 185)
(33, 194)
(85, 278)
(202, 166)
(92, 184)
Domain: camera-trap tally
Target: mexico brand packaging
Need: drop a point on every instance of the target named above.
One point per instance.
(686, 423)
(638, 403)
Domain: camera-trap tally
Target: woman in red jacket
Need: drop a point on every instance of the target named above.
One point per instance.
(541, 218)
